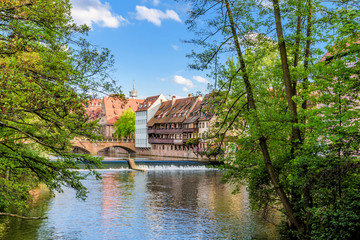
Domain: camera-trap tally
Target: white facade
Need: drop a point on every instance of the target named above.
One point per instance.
(141, 119)
(141, 130)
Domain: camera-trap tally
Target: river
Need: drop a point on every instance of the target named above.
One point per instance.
(171, 200)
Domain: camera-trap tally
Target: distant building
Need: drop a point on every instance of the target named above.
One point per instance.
(166, 131)
(200, 122)
(144, 113)
(112, 109)
(93, 109)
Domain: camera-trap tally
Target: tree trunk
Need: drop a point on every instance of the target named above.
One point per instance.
(262, 140)
(307, 48)
(22, 217)
(296, 136)
(297, 45)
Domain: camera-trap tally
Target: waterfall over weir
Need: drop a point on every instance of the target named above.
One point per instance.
(156, 165)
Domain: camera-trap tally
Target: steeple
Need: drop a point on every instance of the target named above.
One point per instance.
(133, 93)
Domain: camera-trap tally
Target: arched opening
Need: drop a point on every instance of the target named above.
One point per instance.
(115, 151)
(81, 150)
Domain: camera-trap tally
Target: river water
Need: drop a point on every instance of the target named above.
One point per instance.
(171, 200)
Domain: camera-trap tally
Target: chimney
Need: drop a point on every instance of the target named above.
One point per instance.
(173, 100)
(190, 95)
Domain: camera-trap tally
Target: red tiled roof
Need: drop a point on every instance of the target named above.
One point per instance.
(114, 107)
(93, 108)
(174, 111)
(334, 51)
(93, 114)
(148, 102)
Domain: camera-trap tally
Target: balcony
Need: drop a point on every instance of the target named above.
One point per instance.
(161, 140)
(166, 131)
(190, 130)
(178, 141)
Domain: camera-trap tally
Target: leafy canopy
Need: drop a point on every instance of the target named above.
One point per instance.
(297, 119)
(47, 73)
(125, 125)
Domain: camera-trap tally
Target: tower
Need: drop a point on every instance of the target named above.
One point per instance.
(133, 93)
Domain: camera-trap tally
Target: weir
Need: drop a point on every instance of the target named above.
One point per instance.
(123, 164)
(132, 164)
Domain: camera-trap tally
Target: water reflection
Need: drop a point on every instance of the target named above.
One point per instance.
(15, 228)
(151, 205)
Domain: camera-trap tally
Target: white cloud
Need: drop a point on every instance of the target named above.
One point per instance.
(200, 79)
(93, 11)
(175, 47)
(156, 2)
(183, 81)
(155, 16)
(185, 89)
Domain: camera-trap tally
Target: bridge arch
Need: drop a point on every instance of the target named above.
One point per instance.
(77, 148)
(94, 147)
(129, 150)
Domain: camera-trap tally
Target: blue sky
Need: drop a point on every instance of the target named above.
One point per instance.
(145, 37)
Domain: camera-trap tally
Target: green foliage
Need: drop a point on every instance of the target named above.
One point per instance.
(47, 73)
(319, 172)
(193, 141)
(125, 125)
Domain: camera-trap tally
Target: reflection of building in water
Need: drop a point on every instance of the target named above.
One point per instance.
(119, 200)
(109, 197)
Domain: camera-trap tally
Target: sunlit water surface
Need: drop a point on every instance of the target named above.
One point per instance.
(169, 201)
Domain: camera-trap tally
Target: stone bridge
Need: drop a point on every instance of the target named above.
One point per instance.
(93, 147)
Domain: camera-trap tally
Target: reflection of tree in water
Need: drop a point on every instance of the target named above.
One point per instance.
(15, 228)
(200, 201)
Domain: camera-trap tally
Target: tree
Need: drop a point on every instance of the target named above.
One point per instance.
(125, 125)
(47, 73)
(266, 92)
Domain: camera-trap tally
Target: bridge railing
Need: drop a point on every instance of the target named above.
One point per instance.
(123, 140)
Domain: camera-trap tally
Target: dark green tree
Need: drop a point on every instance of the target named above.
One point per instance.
(47, 73)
